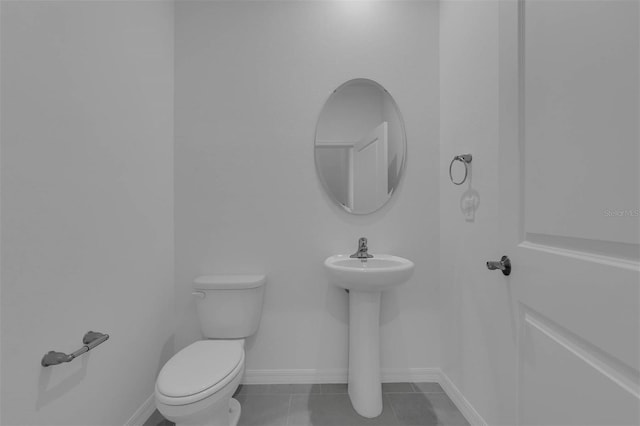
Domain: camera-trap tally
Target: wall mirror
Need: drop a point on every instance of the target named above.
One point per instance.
(360, 146)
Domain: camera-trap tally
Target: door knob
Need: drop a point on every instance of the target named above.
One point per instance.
(503, 264)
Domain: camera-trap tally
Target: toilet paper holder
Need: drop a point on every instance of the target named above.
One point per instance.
(91, 339)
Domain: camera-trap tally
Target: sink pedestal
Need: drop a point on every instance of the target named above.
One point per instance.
(365, 388)
(366, 280)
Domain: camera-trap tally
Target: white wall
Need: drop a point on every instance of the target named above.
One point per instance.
(478, 341)
(251, 80)
(87, 206)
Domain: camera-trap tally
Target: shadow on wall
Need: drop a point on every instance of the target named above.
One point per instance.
(167, 351)
(337, 303)
(470, 199)
(73, 374)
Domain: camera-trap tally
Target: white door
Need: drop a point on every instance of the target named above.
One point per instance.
(369, 178)
(569, 194)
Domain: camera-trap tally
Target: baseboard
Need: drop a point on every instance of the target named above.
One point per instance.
(465, 407)
(279, 376)
(287, 376)
(416, 375)
(142, 413)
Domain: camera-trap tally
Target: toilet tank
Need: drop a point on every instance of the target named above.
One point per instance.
(229, 306)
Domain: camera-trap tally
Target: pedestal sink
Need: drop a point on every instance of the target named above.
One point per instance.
(366, 280)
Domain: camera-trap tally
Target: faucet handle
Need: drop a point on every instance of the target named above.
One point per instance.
(361, 253)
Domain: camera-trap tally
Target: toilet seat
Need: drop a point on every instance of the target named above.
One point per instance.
(199, 371)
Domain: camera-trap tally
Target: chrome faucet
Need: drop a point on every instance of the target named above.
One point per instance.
(362, 250)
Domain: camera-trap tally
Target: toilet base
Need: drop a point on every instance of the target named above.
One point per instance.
(220, 409)
(234, 412)
(230, 419)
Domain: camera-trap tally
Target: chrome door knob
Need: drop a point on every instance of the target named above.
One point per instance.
(503, 264)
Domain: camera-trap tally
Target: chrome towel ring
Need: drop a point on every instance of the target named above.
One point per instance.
(466, 160)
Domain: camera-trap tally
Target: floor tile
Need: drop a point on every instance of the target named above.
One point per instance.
(295, 388)
(405, 404)
(446, 411)
(428, 387)
(413, 409)
(334, 388)
(156, 419)
(252, 389)
(397, 388)
(428, 409)
(263, 409)
(333, 410)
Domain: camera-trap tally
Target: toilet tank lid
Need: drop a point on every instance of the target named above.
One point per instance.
(228, 282)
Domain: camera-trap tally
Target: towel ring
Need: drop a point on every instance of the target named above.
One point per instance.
(466, 160)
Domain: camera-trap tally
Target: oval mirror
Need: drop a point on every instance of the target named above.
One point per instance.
(360, 146)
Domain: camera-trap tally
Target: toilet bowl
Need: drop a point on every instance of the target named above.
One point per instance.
(196, 386)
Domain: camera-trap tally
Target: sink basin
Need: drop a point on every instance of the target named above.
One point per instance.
(381, 272)
(366, 281)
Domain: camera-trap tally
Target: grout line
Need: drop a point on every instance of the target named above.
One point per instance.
(393, 410)
(289, 409)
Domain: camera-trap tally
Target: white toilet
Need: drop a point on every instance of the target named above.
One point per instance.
(196, 386)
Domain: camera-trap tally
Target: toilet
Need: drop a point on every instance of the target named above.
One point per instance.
(195, 387)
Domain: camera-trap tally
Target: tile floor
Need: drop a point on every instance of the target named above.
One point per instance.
(404, 404)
